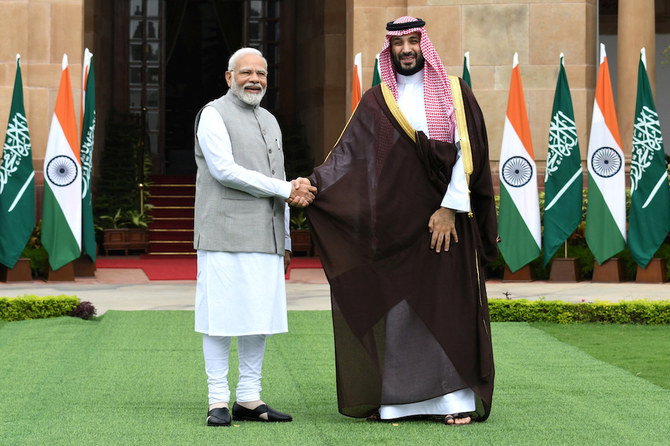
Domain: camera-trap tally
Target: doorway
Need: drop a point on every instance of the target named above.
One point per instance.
(201, 36)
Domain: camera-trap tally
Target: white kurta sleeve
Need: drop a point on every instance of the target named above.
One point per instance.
(457, 196)
(217, 149)
(287, 233)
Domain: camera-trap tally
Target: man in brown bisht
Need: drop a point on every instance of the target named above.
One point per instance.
(404, 222)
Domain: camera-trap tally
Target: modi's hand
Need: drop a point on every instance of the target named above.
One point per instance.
(302, 193)
(287, 260)
(442, 225)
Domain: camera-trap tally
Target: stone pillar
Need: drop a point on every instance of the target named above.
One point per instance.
(636, 28)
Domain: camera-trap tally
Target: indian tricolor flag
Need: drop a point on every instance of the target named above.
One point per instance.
(357, 83)
(519, 218)
(606, 207)
(61, 213)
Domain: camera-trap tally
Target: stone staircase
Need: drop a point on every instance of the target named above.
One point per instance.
(171, 227)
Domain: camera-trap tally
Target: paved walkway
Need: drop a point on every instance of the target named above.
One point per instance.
(130, 289)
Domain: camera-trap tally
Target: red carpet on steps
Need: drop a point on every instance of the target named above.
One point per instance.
(179, 267)
(156, 268)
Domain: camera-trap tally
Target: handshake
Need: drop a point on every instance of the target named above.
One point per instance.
(302, 193)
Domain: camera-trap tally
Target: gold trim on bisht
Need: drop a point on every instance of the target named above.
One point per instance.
(397, 114)
(463, 136)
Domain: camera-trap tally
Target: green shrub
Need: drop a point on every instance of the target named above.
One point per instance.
(34, 307)
(628, 312)
(39, 259)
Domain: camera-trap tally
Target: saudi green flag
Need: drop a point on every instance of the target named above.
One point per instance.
(87, 133)
(649, 221)
(466, 69)
(376, 76)
(17, 181)
(563, 177)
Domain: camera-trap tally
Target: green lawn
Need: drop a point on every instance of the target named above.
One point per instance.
(643, 350)
(138, 378)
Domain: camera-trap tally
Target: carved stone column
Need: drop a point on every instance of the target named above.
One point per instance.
(636, 29)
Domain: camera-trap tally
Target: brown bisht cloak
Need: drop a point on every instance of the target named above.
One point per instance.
(410, 324)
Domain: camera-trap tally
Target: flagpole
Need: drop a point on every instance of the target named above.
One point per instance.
(140, 164)
(143, 117)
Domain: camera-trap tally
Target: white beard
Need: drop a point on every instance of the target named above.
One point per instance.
(248, 98)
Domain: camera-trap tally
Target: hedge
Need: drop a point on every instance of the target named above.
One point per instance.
(627, 312)
(501, 310)
(30, 306)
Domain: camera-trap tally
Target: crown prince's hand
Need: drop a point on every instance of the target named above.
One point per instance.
(302, 193)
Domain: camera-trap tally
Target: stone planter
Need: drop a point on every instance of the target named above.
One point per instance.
(565, 270)
(20, 273)
(301, 241)
(521, 275)
(125, 239)
(653, 273)
(611, 271)
(84, 266)
(63, 274)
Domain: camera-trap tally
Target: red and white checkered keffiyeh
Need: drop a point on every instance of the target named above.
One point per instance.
(436, 90)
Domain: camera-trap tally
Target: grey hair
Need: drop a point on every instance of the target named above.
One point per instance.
(242, 52)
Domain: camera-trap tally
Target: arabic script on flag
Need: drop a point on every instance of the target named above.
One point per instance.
(87, 157)
(647, 139)
(17, 146)
(562, 141)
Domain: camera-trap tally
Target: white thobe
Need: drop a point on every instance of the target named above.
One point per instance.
(411, 103)
(239, 294)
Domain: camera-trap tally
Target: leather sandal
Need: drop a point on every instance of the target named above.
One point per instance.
(450, 419)
(219, 416)
(374, 416)
(241, 413)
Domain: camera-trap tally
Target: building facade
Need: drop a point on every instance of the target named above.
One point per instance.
(162, 60)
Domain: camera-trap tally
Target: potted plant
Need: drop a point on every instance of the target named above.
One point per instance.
(35, 252)
(301, 239)
(113, 237)
(125, 231)
(137, 236)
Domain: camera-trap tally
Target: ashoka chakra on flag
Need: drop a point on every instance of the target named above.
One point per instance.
(606, 162)
(517, 171)
(62, 170)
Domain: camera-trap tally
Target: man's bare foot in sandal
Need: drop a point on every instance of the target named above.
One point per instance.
(457, 419)
(374, 416)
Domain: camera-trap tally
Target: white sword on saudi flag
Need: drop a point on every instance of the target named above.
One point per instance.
(21, 191)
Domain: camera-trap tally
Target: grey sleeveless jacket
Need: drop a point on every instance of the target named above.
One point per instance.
(228, 219)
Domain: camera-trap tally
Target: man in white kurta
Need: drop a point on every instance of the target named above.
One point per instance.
(242, 237)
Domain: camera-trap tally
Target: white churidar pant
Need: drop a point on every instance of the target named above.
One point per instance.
(250, 352)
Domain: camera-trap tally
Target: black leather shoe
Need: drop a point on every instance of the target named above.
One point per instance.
(243, 414)
(218, 417)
